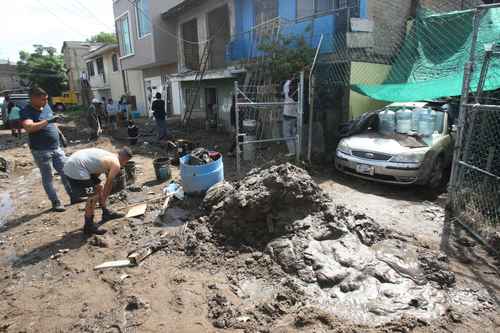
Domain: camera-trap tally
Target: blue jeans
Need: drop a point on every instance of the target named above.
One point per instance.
(44, 159)
(162, 128)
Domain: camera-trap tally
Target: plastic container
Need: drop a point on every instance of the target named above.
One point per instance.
(136, 115)
(162, 169)
(387, 122)
(197, 179)
(426, 123)
(403, 121)
(249, 150)
(250, 127)
(415, 117)
(438, 121)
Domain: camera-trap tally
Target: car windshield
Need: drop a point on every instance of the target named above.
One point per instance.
(412, 121)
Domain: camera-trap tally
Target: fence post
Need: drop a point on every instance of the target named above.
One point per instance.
(237, 126)
(469, 68)
(300, 117)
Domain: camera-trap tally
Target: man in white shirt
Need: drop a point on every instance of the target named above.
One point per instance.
(290, 114)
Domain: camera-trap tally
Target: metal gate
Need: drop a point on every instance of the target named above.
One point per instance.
(261, 107)
(475, 181)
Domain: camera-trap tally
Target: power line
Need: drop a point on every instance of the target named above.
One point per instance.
(97, 19)
(59, 18)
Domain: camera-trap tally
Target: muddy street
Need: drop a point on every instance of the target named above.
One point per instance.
(277, 250)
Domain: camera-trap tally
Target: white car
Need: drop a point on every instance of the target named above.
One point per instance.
(397, 158)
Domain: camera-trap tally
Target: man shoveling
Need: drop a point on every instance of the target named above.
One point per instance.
(83, 169)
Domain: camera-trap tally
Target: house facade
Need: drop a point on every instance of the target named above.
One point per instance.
(9, 80)
(74, 53)
(104, 72)
(148, 50)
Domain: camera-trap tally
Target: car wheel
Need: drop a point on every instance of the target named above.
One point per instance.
(436, 177)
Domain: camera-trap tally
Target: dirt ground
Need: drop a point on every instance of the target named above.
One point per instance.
(48, 282)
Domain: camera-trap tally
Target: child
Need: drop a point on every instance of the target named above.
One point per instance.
(133, 133)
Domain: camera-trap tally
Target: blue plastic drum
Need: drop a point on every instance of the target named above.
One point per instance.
(197, 179)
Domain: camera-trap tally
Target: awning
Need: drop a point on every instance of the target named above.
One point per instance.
(431, 61)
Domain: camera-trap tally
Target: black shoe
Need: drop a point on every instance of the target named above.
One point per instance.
(58, 207)
(75, 201)
(108, 215)
(90, 228)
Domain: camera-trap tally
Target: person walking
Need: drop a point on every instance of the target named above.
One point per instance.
(160, 115)
(83, 169)
(45, 146)
(15, 119)
(93, 120)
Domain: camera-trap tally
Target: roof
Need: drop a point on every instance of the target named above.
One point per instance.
(78, 45)
(183, 6)
(100, 50)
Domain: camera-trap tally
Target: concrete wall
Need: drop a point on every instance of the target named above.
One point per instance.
(113, 86)
(366, 73)
(8, 77)
(390, 19)
(200, 14)
(135, 82)
(75, 63)
(155, 48)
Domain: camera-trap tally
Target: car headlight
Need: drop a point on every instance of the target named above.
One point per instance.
(408, 158)
(344, 148)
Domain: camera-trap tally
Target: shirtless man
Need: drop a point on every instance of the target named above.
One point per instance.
(83, 169)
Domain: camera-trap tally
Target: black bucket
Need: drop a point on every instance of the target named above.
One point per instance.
(129, 170)
(162, 169)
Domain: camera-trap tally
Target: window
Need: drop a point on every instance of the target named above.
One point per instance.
(191, 49)
(114, 60)
(307, 8)
(143, 20)
(100, 65)
(124, 38)
(90, 68)
(265, 10)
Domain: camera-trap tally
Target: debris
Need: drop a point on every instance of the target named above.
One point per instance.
(114, 264)
(98, 242)
(137, 210)
(174, 189)
(123, 277)
(200, 156)
(138, 256)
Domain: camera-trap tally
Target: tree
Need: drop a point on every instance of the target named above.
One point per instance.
(285, 56)
(103, 37)
(45, 68)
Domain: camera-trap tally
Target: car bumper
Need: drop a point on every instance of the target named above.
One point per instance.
(380, 171)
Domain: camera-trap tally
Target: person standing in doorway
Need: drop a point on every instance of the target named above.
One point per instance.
(290, 114)
(45, 145)
(160, 116)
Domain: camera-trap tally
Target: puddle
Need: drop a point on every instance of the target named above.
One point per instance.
(7, 208)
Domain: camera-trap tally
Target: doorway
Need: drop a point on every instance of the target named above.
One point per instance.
(211, 105)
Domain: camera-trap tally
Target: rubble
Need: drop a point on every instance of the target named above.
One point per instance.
(341, 262)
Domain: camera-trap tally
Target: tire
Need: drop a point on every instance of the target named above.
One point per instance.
(436, 177)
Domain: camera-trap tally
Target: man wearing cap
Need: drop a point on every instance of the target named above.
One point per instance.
(83, 169)
(45, 146)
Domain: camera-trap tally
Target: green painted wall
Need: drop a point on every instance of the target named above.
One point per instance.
(366, 73)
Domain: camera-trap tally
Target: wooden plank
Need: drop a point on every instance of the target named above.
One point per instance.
(140, 255)
(114, 264)
(137, 210)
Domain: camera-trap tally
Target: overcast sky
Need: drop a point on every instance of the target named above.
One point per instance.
(50, 22)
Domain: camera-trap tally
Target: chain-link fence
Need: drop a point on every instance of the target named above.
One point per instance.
(475, 182)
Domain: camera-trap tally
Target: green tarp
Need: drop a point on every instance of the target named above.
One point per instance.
(431, 61)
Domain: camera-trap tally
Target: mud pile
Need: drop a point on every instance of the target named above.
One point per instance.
(342, 262)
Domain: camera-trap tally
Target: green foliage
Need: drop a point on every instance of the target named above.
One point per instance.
(103, 37)
(45, 68)
(286, 56)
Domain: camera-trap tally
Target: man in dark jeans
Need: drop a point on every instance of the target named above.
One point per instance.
(45, 145)
(160, 115)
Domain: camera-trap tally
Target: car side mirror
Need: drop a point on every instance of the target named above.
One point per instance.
(454, 128)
